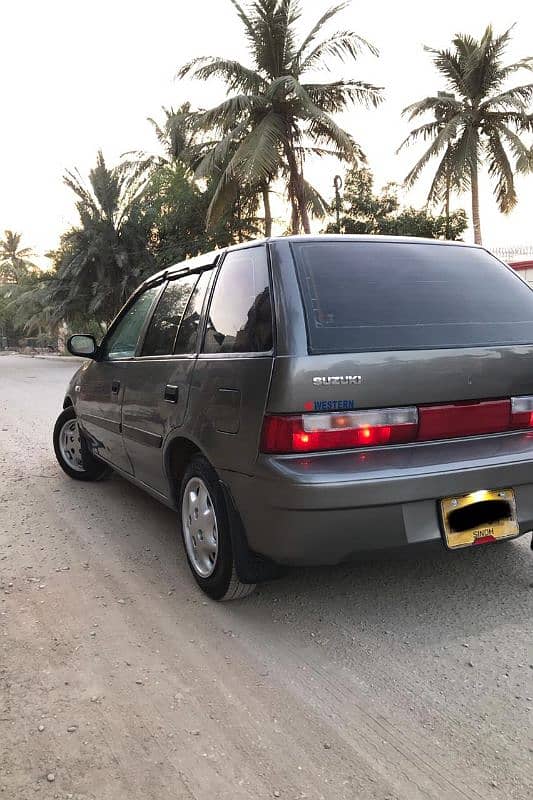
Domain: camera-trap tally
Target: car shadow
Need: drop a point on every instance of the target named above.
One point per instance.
(422, 598)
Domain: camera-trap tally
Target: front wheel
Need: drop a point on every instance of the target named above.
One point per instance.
(206, 534)
(72, 453)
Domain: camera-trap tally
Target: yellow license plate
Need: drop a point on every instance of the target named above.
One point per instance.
(479, 518)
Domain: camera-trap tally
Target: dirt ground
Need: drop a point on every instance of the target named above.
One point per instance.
(397, 680)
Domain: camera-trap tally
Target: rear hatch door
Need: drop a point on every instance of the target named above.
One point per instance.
(395, 323)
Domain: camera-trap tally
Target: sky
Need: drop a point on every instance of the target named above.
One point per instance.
(81, 76)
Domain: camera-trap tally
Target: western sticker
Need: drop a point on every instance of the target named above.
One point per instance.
(330, 405)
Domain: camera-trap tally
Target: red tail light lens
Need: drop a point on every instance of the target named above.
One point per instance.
(307, 433)
(464, 419)
(314, 432)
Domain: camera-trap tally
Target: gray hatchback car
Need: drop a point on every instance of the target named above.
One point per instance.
(306, 400)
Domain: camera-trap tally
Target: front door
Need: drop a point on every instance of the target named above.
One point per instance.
(156, 392)
(100, 395)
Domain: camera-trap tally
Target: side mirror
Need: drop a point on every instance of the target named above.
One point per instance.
(82, 344)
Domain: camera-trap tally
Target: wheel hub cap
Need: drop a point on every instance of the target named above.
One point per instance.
(200, 530)
(70, 445)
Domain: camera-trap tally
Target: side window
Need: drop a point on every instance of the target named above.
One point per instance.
(188, 333)
(240, 316)
(122, 343)
(165, 322)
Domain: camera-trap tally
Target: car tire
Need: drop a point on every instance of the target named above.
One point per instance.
(72, 452)
(206, 533)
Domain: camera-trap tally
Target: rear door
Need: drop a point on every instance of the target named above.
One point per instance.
(156, 392)
(232, 375)
(99, 400)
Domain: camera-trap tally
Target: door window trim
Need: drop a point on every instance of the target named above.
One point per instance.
(206, 308)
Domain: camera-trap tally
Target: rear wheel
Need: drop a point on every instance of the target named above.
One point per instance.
(206, 534)
(71, 450)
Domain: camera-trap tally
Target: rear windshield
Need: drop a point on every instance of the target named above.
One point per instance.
(365, 296)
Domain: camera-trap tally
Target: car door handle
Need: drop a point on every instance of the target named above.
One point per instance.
(115, 387)
(171, 393)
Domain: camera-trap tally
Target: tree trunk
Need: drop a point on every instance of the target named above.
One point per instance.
(297, 189)
(268, 212)
(474, 180)
(447, 205)
(304, 215)
(295, 217)
(239, 218)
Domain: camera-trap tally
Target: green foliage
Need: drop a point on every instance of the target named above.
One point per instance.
(18, 275)
(175, 210)
(131, 223)
(177, 136)
(214, 168)
(20, 312)
(24, 307)
(101, 260)
(15, 261)
(276, 113)
(176, 200)
(478, 120)
(365, 212)
(8, 328)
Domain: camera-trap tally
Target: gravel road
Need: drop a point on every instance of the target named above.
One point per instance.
(396, 680)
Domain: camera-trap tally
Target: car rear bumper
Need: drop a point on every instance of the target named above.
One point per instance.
(333, 507)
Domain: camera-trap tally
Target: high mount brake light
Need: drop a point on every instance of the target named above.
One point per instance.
(307, 433)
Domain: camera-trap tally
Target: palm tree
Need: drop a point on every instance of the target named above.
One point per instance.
(18, 275)
(102, 259)
(213, 166)
(443, 184)
(275, 114)
(15, 261)
(481, 121)
(168, 177)
(26, 307)
(177, 135)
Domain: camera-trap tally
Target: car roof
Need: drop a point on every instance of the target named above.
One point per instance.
(212, 258)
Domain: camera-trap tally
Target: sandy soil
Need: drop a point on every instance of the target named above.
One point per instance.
(119, 681)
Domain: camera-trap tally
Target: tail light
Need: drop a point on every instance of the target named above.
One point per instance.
(307, 433)
(311, 432)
